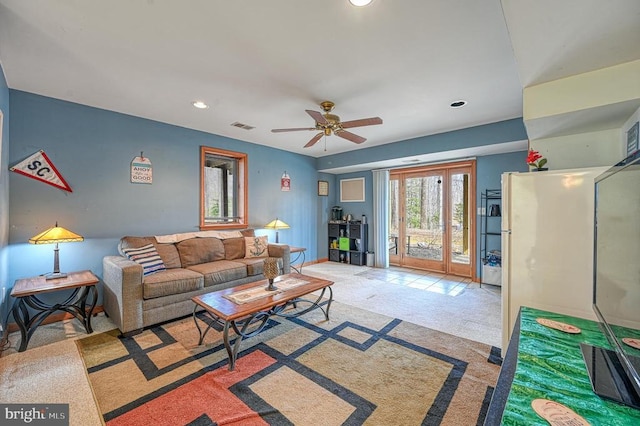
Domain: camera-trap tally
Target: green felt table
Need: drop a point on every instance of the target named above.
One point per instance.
(550, 366)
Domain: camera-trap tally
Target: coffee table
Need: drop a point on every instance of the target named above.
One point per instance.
(287, 301)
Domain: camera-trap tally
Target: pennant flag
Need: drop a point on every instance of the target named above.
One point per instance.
(38, 166)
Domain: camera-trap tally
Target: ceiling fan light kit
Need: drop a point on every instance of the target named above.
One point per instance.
(360, 3)
(329, 124)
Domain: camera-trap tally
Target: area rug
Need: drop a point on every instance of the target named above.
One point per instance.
(357, 368)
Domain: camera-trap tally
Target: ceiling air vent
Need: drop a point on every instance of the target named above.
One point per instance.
(242, 126)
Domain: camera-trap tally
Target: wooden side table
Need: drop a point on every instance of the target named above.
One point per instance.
(26, 291)
(300, 251)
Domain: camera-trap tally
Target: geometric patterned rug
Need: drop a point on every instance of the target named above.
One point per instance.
(357, 368)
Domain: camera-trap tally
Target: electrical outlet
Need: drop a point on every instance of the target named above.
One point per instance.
(481, 211)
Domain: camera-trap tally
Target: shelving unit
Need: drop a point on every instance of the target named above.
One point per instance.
(348, 242)
(490, 236)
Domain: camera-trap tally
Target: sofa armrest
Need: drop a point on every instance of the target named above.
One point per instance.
(282, 251)
(123, 292)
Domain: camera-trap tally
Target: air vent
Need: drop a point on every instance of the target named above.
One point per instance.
(242, 126)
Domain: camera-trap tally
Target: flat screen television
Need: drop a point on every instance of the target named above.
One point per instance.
(615, 373)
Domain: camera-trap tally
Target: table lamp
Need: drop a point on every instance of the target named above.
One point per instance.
(56, 235)
(276, 224)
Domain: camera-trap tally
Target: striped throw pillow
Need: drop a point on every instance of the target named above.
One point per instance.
(148, 257)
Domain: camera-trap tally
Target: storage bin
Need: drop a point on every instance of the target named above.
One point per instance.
(371, 258)
(343, 243)
(491, 275)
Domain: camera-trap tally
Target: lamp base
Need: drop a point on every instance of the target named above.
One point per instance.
(54, 275)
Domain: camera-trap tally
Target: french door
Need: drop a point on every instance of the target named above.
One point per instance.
(431, 222)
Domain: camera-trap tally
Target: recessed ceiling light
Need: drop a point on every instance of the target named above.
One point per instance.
(360, 2)
(458, 104)
(200, 105)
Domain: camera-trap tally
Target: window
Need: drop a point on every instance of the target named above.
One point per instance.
(223, 189)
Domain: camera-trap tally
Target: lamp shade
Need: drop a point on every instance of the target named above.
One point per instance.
(276, 224)
(57, 234)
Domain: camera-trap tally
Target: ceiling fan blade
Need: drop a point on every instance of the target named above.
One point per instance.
(313, 140)
(362, 122)
(349, 136)
(317, 116)
(292, 130)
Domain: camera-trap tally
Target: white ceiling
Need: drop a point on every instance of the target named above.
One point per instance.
(263, 63)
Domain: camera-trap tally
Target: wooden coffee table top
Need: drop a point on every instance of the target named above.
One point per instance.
(226, 310)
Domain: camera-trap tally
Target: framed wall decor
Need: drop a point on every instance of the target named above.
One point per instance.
(323, 188)
(352, 190)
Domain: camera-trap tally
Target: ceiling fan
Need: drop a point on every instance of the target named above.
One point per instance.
(330, 124)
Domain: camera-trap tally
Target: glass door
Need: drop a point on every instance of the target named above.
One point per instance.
(430, 218)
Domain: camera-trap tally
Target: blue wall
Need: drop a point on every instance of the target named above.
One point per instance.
(93, 150)
(4, 198)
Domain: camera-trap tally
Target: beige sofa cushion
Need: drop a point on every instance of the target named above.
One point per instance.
(168, 252)
(171, 281)
(200, 250)
(221, 271)
(248, 232)
(233, 248)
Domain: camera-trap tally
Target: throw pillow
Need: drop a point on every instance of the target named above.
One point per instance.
(256, 247)
(148, 257)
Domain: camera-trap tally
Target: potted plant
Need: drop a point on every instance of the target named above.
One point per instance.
(537, 161)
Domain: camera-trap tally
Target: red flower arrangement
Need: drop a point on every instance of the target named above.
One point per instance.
(534, 159)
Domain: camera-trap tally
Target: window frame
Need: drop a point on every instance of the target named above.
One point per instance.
(242, 182)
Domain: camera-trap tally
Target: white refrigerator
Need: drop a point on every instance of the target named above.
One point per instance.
(547, 243)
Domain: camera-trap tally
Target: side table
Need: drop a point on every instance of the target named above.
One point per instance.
(300, 251)
(27, 290)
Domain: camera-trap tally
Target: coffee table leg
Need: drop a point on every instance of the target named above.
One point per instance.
(326, 313)
(201, 333)
(232, 353)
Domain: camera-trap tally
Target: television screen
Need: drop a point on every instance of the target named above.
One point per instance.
(615, 374)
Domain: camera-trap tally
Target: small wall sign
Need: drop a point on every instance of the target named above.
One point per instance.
(141, 170)
(285, 182)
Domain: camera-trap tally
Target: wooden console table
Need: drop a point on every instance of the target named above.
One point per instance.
(27, 290)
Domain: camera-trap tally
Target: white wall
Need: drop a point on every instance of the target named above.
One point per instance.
(593, 149)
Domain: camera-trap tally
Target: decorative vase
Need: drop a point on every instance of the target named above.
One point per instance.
(271, 269)
(540, 169)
